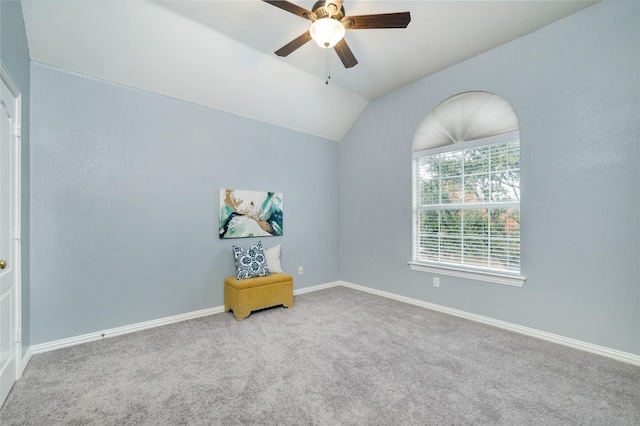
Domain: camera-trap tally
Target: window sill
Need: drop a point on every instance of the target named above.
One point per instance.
(512, 280)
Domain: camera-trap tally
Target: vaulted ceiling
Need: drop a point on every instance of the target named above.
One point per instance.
(220, 53)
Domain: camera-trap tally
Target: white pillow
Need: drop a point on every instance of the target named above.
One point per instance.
(273, 259)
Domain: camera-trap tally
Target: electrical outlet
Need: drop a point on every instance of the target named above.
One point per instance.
(300, 270)
(436, 281)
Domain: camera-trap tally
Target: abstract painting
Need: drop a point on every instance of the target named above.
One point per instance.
(250, 214)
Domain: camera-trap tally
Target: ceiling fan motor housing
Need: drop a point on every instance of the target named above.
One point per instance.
(322, 9)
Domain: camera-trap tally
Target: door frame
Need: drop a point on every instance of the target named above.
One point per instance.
(16, 200)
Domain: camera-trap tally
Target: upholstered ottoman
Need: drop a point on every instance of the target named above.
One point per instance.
(251, 294)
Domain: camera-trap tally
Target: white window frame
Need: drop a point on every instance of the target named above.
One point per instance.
(462, 271)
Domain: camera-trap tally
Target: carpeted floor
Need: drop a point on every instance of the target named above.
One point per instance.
(339, 357)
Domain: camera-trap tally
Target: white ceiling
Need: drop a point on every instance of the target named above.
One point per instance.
(220, 53)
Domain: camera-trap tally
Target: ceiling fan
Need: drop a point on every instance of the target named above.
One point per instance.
(329, 24)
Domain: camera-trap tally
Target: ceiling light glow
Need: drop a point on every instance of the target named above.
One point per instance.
(327, 32)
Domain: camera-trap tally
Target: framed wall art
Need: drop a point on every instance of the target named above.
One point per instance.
(250, 214)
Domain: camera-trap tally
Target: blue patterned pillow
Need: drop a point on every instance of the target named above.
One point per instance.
(250, 263)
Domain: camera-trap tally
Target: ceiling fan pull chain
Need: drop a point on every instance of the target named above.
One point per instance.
(327, 62)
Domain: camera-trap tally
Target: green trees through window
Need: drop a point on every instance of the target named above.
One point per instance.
(467, 207)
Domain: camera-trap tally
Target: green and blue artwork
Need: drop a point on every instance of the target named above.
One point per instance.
(250, 214)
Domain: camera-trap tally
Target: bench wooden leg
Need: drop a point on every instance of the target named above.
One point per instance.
(240, 315)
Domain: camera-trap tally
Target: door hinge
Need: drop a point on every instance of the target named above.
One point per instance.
(17, 131)
(17, 234)
(19, 335)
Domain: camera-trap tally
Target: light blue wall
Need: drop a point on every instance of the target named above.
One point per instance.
(124, 202)
(14, 54)
(575, 88)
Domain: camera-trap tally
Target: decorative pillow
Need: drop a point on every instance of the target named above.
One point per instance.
(273, 259)
(250, 263)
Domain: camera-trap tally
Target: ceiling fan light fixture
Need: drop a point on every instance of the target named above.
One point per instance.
(327, 32)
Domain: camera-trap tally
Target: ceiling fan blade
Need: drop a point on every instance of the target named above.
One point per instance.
(382, 20)
(290, 7)
(345, 54)
(294, 44)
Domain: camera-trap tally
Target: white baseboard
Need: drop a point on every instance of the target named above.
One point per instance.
(91, 337)
(316, 288)
(626, 357)
(25, 360)
(554, 338)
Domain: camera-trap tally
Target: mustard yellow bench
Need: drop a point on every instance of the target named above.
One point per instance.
(251, 294)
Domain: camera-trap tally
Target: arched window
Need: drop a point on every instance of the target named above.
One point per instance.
(466, 190)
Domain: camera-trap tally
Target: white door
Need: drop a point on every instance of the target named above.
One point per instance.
(9, 217)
